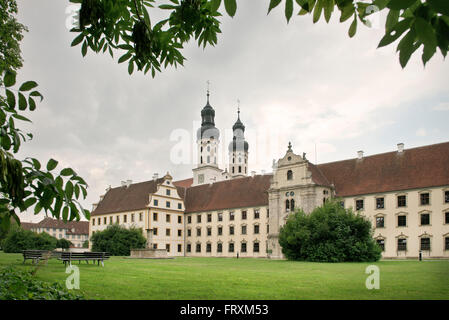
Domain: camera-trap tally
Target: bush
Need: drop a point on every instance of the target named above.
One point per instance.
(63, 243)
(19, 239)
(117, 240)
(21, 285)
(329, 234)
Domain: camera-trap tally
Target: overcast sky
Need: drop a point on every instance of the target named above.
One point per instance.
(302, 82)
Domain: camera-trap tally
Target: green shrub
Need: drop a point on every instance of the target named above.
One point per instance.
(117, 240)
(329, 234)
(21, 285)
(63, 243)
(19, 239)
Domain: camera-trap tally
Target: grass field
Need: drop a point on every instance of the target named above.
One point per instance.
(222, 278)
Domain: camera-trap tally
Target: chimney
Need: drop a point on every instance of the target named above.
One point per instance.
(128, 183)
(359, 154)
(400, 147)
(101, 198)
(94, 206)
(123, 183)
(108, 188)
(155, 176)
(253, 173)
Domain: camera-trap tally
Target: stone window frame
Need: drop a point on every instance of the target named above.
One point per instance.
(430, 218)
(381, 237)
(179, 232)
(209, 228)
(218, 230)
(254, 227)
(355, 203)
(198, 231)
(256, 210)
(419, 198)
(208, 245)
(233, 230)
(444, 196)
(254, 242)
(220, 216)
(246, 229)
(220, 245)
(189, 232)
(209, 217)
(383, 215)
(196, 247)
(229, 246)
(379, 197)
(111, 219)
(445, 211)
(446, 235)
(244, 214)
(397, 195)
(246, 246)
(179, 219)
(198, 218)
(401, 213)
(402, 236)
(231, 215)
(425, 235)
(167, 218)
(167, 232)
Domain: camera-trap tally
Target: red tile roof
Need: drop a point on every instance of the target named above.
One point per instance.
(235, 193)
(80, 227)
(414, 168)
(184, 183)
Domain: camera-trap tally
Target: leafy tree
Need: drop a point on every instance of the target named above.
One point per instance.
(118, 240)
(63, 243)
(23, 183)
(19, 239)
(86, 244)
(329, 234)
(125, 25)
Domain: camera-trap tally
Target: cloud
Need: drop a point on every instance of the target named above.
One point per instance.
(421, 132)
(443, 106)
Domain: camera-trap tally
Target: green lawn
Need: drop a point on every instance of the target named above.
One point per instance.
(222, 278)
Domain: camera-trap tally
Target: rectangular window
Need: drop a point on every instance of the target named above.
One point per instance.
(167, 192)
(208, 247)
(359, 204)
(167, 218)
(179, 233)
(189, 219)
(140, 216)
(198, 232)
(243, 248)
(424, 198)
(402, 201)
(402, 244)
(380, 203)
(167, 232)
(220, 231)
(381, 243)
(446, 216)
(220, 247)
(446, 243)
(179, 248)
(425, 244)
(231, 247)
(256, 214)
(256, 247)
(154, 245)
(189, 247)
(256, 229)
(93, 222)
(154, 216)
(189, 232)
(231, 230)
(198, 218)
(167, 247)
(104, 222)
(155, 231)
(425, 219)
(380, 222)
(243, 215)
(167, 204)
(446, 196)
(231, 216)
(110, 220)
(179, 206)
(402, 221)
(125, 218)
(243, 229)
(268, 228)
(268, 213)
(220, 216)
(209, 217)
(179, 219)
(132, 217)
(155, 202)
(99, 222)
(198, 247)
(209, 231)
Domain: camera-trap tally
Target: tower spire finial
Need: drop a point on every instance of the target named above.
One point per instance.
(208, 85)
(238, 108)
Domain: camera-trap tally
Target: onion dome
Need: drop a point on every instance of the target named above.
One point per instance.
(208, 129)
(238, 142)
(238, 145)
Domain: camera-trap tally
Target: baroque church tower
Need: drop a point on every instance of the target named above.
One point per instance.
(238, 150)
(208, 135)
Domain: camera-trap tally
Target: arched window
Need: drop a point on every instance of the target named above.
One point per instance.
(287, 205)
(232, 169)
(289, 175)
(201, 159)
(292, 204)
(208, 159)
(240, 169)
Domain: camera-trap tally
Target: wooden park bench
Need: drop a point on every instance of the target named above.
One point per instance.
(68, 257)
(37, 255)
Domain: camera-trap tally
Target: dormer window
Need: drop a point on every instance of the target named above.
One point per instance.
(289, 175)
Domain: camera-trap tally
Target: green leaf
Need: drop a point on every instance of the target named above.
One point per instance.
(441, 6)
(353, 28)
(130, 66)
(400, 4)
(65, 213)
(10, 99)
(84, 48)
(20, 117)
(425, 32)
(215, 5)
(273, 4)
(231, 7)
(347, 12)
(125, 57)
(406, 47)
(77, 40)
(36, 94)
(328, 9)
(51, 164)
(288, 9)
(22, 102)
(69, 189)
(392, 19)
(395, 33)
(29, 202)
(27, 86)
(31, 104)
(9, 79)
(67, 172)
(317, 11)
